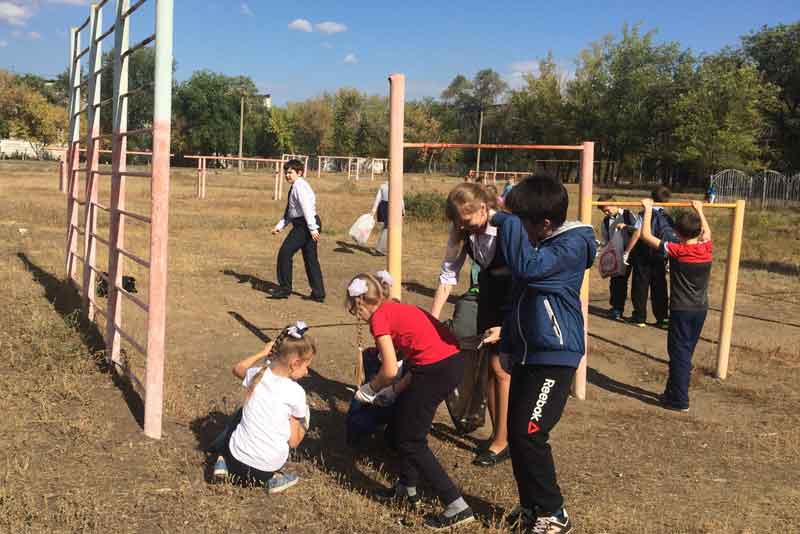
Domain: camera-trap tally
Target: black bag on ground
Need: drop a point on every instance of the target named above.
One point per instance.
(467, 403)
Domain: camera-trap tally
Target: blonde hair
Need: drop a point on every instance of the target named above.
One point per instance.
(376, 293)
(282, 349)
(468, 196)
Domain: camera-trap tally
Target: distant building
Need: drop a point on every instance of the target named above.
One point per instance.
(21, 149)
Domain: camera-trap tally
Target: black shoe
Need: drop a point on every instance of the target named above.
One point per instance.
(442, 522)
(519, 519)
(281, 293)
(395, 496)
(489, 458)
(315, 298)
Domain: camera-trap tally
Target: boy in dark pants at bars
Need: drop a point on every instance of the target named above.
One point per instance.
(625, 221)
(544, 335)
(301, 211)
(690, 254)
(649, 267)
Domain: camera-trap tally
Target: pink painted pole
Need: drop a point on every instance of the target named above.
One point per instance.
(397, 95)
(585, 216)
(159, 228)
(116, 227)
(199, 176)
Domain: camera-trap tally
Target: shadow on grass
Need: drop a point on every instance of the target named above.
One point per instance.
(67, 302)
(613, 386)
(325, 444)
(425, 291)
(791, 269)
(352, 248)
(256, 283)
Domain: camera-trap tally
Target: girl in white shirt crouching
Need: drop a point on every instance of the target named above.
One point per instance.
(275, 415)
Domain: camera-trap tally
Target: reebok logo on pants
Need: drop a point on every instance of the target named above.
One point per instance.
(536, 416)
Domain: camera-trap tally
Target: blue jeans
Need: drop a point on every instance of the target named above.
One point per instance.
(684, 332)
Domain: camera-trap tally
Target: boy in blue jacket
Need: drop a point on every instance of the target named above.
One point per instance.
(544, 336)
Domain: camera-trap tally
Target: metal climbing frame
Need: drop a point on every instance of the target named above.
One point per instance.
(586, 149)
(86, 226)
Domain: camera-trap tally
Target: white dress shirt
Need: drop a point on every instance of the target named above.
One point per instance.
(383, 196)
(302, 203)
(484, 247)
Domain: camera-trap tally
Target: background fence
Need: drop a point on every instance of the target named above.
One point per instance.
(766, 189)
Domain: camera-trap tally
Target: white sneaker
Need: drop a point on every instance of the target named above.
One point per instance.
(552, 525)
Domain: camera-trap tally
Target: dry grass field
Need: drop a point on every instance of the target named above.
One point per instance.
(75, 459)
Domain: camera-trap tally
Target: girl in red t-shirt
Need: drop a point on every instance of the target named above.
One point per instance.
(435, 368)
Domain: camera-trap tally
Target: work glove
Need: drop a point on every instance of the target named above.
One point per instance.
(365, 394)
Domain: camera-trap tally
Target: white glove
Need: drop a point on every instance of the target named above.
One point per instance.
(307, 419)
(625, 258)
(385, 397)
(365, 394)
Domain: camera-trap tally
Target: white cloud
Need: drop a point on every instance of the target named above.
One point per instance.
(301, 25)
(70, 2)
(3, 44)
(518, 68)
(351, 58)
(15, 14)
(326, 44)
(246, 10)
(32, 36)
(330, 28)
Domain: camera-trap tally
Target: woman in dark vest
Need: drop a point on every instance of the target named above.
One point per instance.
(470, 206)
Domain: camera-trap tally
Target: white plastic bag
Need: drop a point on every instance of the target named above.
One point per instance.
(610, 260)
(362, 228)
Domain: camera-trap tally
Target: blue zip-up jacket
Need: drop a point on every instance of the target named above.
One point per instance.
(545, 325)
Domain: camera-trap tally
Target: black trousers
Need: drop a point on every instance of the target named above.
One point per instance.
(684, 332)
(241, 473)
(414, 411)
(536, 401)
(649, 274)
(618, 290)
(299, 238)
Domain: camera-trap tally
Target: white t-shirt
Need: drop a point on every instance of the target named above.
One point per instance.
(261, 440)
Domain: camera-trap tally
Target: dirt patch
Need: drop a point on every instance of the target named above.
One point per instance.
(76, 459)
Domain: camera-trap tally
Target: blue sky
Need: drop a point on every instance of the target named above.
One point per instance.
(299, 49)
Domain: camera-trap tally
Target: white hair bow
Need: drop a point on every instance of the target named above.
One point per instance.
(297, 330)
(357, 287)
(385, 277)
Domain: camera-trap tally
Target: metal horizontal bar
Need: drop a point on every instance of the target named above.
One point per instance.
(104, 208)
(225, 158)
(101, 239)
(136, 216)
(634, 204)
(478, 145)
(99, 273)
(136, 90)
(82, 26)
(101, 311)
(144, 306)
(134, 257)
(130, 339)
(141, 44)
(84, 109)
(80, 169)
(136, 132)
(78, 257)
(79, 202)
(81, 54)
(133, 8)
(137, 174)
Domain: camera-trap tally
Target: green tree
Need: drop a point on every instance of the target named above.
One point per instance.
(347, 118)
(26, 114)
(776, 52)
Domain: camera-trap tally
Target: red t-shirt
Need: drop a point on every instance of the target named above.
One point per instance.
(415, 333)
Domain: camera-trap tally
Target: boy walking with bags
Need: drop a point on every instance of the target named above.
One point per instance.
(544, 335)
(301, 211)
(624, 221)
(690, 254)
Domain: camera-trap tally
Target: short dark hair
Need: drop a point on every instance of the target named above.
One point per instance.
(688, 224)
(661, 194)
(537, 198)
(295, 164)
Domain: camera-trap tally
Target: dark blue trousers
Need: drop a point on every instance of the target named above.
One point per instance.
(684, 332)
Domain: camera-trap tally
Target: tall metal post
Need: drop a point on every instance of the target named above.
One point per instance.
(241, 129)
(585, 216)
(480, 136)
(95, 69)
(397, 92)
(116, 225)
(157, 294)
(729, 297)
(73, 151)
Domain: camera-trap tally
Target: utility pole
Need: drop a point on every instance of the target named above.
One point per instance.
(480, 135)
(241, 129)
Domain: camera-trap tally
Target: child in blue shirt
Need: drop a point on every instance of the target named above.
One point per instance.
(544, 336)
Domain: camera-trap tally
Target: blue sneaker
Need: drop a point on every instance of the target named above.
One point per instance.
(220, 468)
(281, 481)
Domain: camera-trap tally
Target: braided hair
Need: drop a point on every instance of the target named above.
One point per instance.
(286, 344)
